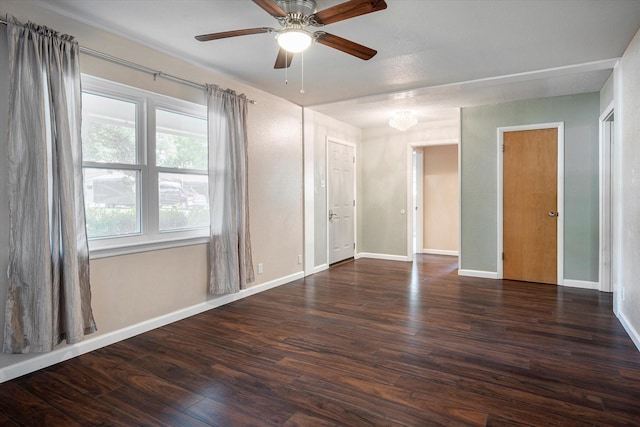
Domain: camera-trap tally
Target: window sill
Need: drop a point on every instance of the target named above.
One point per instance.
(133, 248)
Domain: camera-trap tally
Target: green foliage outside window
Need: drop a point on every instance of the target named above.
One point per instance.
(110, 221)
(177, 151)
(108, 143)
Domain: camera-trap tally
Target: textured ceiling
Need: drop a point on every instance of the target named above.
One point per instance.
(432, 54)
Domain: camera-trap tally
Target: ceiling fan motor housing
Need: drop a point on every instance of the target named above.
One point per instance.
(303, 7)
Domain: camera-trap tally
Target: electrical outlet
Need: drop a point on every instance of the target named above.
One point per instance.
(299, 259)
(260, 268)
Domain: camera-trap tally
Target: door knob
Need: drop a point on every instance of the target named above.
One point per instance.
(332, 215)
(553, 214)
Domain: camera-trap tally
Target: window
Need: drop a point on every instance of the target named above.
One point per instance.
(145, 168)
(181, 159)
(110, 165)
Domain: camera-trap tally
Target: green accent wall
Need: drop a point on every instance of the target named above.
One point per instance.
(479, 159)
(382, 194)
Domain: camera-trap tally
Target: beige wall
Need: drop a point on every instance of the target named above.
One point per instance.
(134, 288)
(124, 293)
(4, 177)
(626, 190)
(440, 198)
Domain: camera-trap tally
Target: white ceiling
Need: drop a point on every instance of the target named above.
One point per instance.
(433, 55)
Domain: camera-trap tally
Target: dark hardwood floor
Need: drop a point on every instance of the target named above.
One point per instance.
(366, 343)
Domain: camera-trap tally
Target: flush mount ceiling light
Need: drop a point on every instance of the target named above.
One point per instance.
(403, 120)
(294, 39)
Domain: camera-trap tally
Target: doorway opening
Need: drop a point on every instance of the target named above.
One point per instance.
(433, 201)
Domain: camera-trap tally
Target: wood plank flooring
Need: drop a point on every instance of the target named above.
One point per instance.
(368, 342)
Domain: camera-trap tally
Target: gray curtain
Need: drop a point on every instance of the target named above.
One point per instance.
(49, 297)
(230, 263)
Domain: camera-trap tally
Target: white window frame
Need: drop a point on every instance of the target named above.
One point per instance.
(150, 237)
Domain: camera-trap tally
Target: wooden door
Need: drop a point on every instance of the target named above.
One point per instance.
(530, 199)
(341, 202)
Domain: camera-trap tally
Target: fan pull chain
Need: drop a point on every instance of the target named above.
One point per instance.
(302, 78)
(286, 69)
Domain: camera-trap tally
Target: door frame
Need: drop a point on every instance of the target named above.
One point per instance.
(560, 208)
(329, 140)
(605, 270)
(417, 209)
(410, 179)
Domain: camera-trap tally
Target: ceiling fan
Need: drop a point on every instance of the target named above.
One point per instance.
(296, 15)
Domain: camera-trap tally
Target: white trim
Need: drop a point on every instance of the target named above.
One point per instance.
(439, 252)
(69, 351)
(570, 283)
(328, 140)
(633, 333)
(460, 186)
(409, 208)
(478, 273)
(410, 178)
(417, 211)
(319, 268)
(382, 256)
(133, 248)
(605, 193)
(560, 197)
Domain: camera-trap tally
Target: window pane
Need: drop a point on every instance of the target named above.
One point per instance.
(111, 202)
(183, 201)
(181, 141)
(108, 130)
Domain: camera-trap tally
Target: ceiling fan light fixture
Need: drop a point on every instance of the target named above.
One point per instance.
(294, 40)
(403, 120)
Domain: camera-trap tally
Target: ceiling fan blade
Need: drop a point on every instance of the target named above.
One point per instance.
(283, 60)
(344, 45)
(234, 33)
(346, 10)
(271, 8)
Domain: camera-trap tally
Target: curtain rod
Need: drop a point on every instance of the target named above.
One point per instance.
(138, 67)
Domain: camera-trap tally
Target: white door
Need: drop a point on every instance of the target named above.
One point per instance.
(341, 202)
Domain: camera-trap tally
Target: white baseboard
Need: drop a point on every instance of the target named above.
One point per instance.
(319, 268)
(382, 256)
(581, 284)
(439, 252)
(39, 361)
(478, 273)
(633, 334)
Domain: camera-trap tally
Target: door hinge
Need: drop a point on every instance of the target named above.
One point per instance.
(503, 148)
(503, 256)
(354, 203)
(354, 160)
